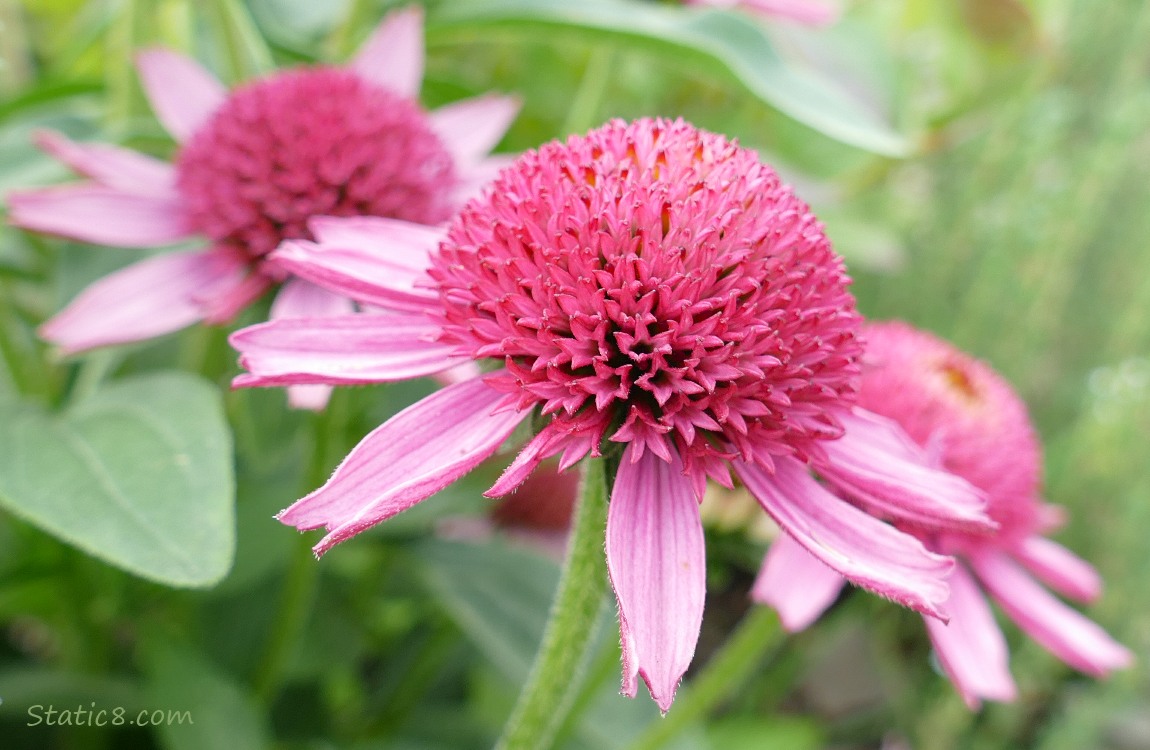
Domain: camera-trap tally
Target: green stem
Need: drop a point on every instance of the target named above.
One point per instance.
(725, 673)
(561, 664)
(302, 579)
(584, 111)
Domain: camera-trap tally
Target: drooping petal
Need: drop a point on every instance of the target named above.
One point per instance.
(147, 299)
(302, 299)
(472, 127)
(119, 168)
(1059, 568)
(369, 277)
(797, 584)
(413, 455)
(100, 215)
(539, 448)
(971, 647)
(1059, 629)
(183, 94)
(392, 57)
(876, 464)
(657, 563)
(865, 550)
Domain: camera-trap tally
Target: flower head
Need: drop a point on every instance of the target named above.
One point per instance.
(650, 291)
(255, 166)
(972, 423)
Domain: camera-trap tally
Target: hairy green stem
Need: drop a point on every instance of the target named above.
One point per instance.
(560, 666)
(740, 656)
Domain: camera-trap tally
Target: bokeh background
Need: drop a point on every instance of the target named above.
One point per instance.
(993, 187)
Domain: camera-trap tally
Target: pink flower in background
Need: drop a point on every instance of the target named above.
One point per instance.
(254, 166)
(650, 291)
(809, 12)
(972, 423)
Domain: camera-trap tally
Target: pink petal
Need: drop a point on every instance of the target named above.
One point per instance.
(1059, 568)
(370, 277)
(147, 299)
(797, 584)
(402, 242)
(473, 179)
(865, 550)
(545, 444)
(810, 12)
(877, 465)
(114, 167)
(183, 94)
(100, 215)
(413, 455)
(301, 299)
(1059, 629)
(472, 127)
(657, 564)
(392, 57)
(971, 647)
(343, 350)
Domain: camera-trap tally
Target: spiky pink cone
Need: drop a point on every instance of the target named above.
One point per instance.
(256, 166)
(973, 424)
(648, 290)
(808, 12)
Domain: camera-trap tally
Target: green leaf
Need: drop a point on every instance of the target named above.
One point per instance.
(499, 597)
(139, 475)
(209, 709)
(729, 42)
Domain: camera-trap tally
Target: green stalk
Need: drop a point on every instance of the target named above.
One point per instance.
(560, 667)
(584, 112)
(302, 578)
(757, 634)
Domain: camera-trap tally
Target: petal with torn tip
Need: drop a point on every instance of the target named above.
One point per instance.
(865, 550)
(796, 584)
(657, 563)
(183, 94)
(971, 647)
(413, 455)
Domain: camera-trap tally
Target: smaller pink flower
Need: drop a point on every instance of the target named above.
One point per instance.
(256, 166)
(809, 12)
(973, 424)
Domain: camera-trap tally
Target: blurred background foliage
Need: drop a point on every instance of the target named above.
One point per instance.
(982, 164)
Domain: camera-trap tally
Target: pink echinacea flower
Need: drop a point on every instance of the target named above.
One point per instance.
(254, 167)
(648, 291)
(809, 12)
(975, 425)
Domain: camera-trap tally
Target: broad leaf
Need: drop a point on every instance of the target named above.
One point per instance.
(726, 41)
(139, 475)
